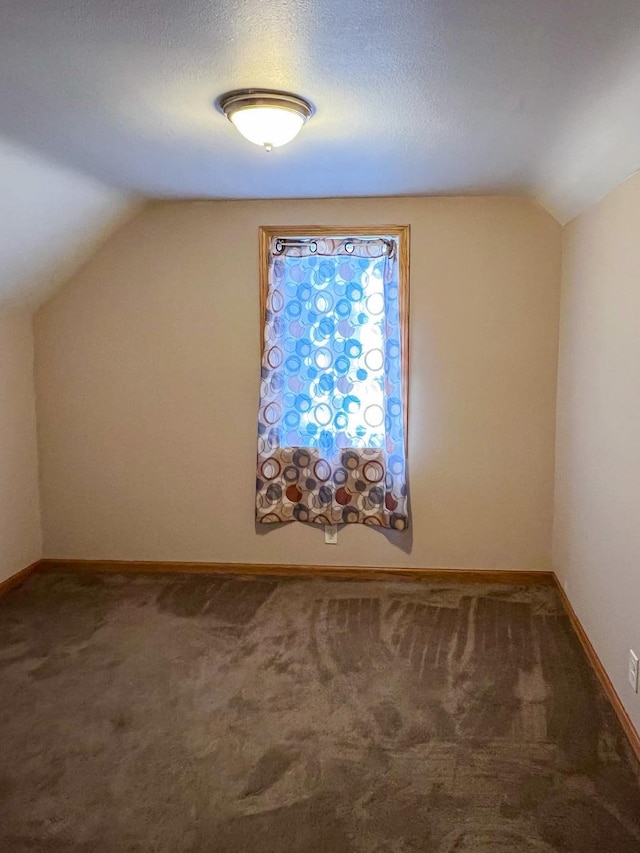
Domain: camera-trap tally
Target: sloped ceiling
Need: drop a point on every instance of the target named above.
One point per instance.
(412, 97)
(51, 220)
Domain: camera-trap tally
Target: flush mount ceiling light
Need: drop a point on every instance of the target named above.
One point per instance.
(267, 118)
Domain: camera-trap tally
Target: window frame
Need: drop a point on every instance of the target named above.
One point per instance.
(401, 233)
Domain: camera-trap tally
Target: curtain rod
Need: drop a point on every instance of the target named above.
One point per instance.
(282, 243)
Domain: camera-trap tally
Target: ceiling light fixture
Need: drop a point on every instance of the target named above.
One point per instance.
(265, 117)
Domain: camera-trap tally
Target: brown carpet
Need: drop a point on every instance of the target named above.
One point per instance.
(220, 714)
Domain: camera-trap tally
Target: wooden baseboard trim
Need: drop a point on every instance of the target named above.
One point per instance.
(19, 577)
(596, 664)
(346, 572)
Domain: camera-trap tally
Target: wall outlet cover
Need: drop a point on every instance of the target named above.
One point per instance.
(633, 670)
(331, 534)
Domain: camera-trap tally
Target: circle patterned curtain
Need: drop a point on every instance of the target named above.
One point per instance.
(331, 444)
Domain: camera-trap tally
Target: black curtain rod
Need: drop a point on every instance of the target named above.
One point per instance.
(282, 243)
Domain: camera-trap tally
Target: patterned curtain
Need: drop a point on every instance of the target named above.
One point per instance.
(331, 443)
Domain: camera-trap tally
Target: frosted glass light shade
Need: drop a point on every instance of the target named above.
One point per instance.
(268, 126)
(268, 119)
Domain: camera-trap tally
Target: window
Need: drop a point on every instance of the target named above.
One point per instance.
(333, 395)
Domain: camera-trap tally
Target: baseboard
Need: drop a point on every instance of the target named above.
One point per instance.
(509, 576)
(625, 721)
(19, 577)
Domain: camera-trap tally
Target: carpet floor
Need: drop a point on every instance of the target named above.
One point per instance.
(297, 715)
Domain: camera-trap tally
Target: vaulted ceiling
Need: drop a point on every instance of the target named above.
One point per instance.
(412, 96)
(51, 221)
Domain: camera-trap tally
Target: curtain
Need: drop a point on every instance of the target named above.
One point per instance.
(331, 436)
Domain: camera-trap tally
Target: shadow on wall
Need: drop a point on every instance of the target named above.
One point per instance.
(400, 539)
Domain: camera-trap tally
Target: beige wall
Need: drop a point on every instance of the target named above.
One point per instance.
(20, 541)
(597, 513)
(147, 380)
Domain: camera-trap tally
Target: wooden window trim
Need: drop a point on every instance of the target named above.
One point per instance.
(402, 233)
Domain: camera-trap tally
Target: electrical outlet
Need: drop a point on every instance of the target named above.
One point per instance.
(633, 670)
(331, 534)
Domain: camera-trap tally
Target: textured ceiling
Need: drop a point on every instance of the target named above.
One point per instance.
(412, 96)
